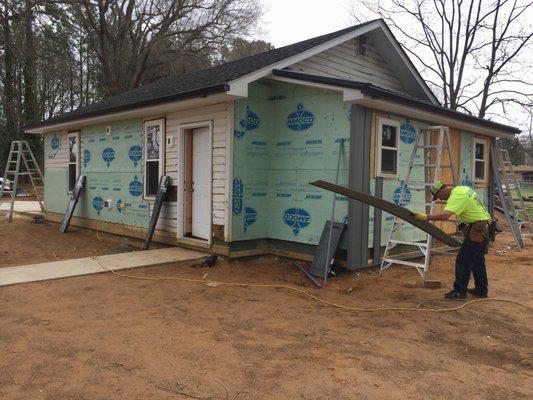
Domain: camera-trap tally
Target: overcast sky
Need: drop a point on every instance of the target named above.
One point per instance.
(290, 21)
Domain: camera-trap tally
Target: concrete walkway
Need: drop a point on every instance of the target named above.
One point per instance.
(86, 266)
(21, 206)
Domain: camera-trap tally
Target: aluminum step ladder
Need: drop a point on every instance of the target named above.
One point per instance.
(433, 141)
(511, 200)
(21, 162)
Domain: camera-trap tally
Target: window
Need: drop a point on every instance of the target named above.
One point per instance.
(73, 159)
(480, 160)
(154, 137)
(360, 46)
(388, 133)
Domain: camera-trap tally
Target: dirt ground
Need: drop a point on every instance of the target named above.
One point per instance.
(182, 332)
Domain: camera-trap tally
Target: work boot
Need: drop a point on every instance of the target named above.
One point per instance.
(477, 293)
(454, 294)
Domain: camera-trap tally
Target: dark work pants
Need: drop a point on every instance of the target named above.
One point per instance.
(471, 260)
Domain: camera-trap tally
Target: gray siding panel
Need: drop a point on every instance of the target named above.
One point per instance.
(359, 179)
(342, 62)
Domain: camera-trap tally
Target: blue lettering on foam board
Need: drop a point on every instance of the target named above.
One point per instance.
(296, 218)
(259, 143)
(143, 206)
(102, 139)
(135, 153)
(128, 136)
(316, 141)
(238, 193)
(86, 157)
(250, 216)
(135, 187)
(108, 154)
(397, 193)
(116, 138)
(55, 143)
(238, 134)
(277, 97)
(91, 140)
(287, 143)
(341, 198)
(251, 121)
(467, 182)
(407, 133)
(98, 204)
(300, 120)
(260, 194)
(342, 140)
(283, 195)
(313, 197)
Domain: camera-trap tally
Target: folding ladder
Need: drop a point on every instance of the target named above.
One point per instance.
(433, 140)
(510, 196)
(21, 162)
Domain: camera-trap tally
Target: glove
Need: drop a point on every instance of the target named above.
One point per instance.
(420, 216)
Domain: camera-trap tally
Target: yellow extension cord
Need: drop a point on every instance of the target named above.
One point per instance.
(340, 306)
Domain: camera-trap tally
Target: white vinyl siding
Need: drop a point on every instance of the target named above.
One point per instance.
(218, 114)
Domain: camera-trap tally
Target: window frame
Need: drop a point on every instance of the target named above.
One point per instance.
(161, 159)
(361, 46)
(379, 147)
(484, 160)
(77, 162)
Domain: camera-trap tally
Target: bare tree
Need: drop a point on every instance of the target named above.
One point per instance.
(240, 48)
(140, 41)
(473, 52)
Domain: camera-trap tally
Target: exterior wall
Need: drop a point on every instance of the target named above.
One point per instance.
(118, 177)
(218, 115)
(110, 174)
(285, 137)
(342, 62)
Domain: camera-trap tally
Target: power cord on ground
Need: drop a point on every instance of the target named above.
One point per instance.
(340, 306)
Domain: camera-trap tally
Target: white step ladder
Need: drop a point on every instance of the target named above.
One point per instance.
(433, 140)
(511, 199)
(21, 162)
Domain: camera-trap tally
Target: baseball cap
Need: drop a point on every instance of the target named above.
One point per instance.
(435, 189)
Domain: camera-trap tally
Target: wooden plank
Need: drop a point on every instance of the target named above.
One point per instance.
(391, 208)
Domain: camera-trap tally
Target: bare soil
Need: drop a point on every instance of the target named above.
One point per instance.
(178, 331)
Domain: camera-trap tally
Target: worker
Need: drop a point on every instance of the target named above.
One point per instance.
(464, 202)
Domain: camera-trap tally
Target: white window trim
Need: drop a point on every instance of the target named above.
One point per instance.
(78, 155)
(485, 143)
(162, 147)
(379, 148)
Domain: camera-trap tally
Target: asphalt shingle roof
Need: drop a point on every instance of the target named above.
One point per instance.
(209, 81)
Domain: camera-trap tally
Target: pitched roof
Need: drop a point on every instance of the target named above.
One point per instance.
(205, 82)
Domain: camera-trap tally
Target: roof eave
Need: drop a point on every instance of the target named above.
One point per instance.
(384, 100)
(141, 108)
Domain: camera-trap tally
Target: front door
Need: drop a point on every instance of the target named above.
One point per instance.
(200, 207)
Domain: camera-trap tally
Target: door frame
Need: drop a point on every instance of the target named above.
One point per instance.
(182, 157)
